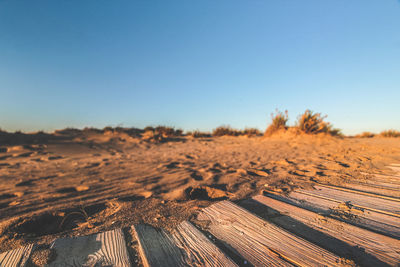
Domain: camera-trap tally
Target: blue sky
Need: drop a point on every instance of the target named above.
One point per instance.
(198, 64)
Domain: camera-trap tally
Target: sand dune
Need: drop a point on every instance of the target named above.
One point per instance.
(70, 184)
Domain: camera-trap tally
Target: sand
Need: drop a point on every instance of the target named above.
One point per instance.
(56, 186)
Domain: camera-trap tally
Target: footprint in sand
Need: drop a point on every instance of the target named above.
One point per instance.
(54, 157)
(79, 188)
(195, 175)
(12, 195)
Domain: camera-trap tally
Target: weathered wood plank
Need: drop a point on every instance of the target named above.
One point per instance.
(395, 168)
(374, 203)
(382, 223)
(380, 193)
(102, 249)
(392, 181)
(186, 246)
(16, 257)
(374, 189)
(383, 248)
(199, 251)
(260, 242)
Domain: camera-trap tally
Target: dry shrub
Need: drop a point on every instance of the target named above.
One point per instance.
(390, 133)
(225, 130)
(279, 120)
(251, 132)
(228, 131)
(198, 134)
(313, 123)
(365, 135)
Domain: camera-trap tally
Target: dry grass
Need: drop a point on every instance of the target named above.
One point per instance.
(228, 131)
(251, 132)
(279, 121)
(198, 134)
(313, 123)
(390, 133)
(365, 135)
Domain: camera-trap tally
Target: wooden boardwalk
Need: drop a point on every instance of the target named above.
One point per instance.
(356, 223)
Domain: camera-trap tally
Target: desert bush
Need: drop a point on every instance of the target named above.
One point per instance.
(279, 121)
(390, 133)
(168, 131)
(250, 132)
(198, 134)
(313, 123)
(365, 135)
(92, 130)
(225, 130)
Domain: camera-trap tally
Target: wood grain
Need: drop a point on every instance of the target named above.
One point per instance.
(17, 257)
(260, 242)
(186, 246)
(382, 223)
(384, 248)
(373, 203)
(102, 249)
(374, 189)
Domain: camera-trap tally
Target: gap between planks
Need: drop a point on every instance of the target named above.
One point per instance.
(385, 249)
(260, 242)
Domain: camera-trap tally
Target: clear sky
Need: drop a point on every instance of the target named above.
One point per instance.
(198, 64)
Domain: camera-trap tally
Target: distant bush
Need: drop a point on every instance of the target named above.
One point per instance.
(250, 132)
(228, 131)
(313, 123)
(279, 121)
(224, 130)
(390, 133)
(365, 135)
(168, 131)
(198, 134)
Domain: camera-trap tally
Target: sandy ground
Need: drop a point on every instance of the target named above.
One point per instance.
(81, 185)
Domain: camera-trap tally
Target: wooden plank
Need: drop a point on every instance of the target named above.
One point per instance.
(382, 223)
(394, 168)
(260, 242)
(199, 251)
(16, 257)
(186, 246)
(374, 203)
(382, 248)
(373, 188)
(382, 179)
(102, 249)
(361, 192)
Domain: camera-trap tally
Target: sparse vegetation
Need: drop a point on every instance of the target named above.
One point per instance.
(225, 130)
(390, 133)
(279, 121)
(228, 131)
(198, 134)
(365, 135)
(250, 132)
(313, 123)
